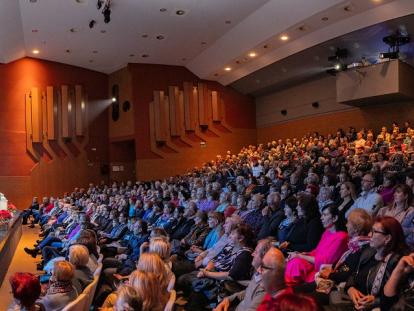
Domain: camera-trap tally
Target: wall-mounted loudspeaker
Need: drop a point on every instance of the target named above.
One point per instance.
(315, 104)
(126, 106)
(283, 112)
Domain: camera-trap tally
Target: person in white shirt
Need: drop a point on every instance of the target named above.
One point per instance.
(369, 199)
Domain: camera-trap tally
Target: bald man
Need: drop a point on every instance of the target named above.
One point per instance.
(272, 270)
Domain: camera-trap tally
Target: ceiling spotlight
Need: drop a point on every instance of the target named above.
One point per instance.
(163, 10)
(160, 37)
(107, 12)
(35, 51)
(252, 54)
(99, 4)
(340, 67)
(91, 23)
(390, 55)
(284, 38)
(113, 99)
(180, 12)
(227, 68)
(144, 55)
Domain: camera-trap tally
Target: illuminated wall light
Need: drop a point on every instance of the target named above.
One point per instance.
(113, 99)
(284, 38)
(252, 54)
(82, 105)
(35, 51)
(69, 107)
(227, 69)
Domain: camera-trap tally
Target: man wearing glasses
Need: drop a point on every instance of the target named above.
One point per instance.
(272, 271)
(369, 199)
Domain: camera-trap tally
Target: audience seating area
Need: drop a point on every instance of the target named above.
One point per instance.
(320, 221)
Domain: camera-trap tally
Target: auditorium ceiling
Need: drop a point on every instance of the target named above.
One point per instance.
(206, 36)
(309, 64)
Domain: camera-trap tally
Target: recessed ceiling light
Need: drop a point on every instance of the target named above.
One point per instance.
(203, 43)
(144, 35)
(80, 1)
(227, 68)
(284, 37)
(216, 74)
(103, 31)
(348, 8)
(35, 30)
(144, 55)
(163, 10)
(252, 54)
(228, 22)
(302, 28)
(35, 51)
(325, 18)
(33, 1)
(73, 30)
(91, 60)
(67, 51)
(160, 37)
(183, 59)
(238, 62)
(180, 12)
(95, 52)
(131, 55)
(266, 46)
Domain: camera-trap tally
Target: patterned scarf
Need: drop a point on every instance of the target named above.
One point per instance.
(59, 287)
(354, 245)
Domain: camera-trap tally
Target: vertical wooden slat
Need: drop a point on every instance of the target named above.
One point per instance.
(37, 127)
(79, 111)
(161, 118)
(44, 116)
(202, 118)
(65, 126)
(180, 112)
(28, 119)
(51, 113)
(215, 106)
(190, 100)
(173, 95)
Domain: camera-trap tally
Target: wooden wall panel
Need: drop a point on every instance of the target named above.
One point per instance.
(44, 115)
(173, 94)
(215, 106)
(202, 104)
(79, 111)
(36, 105)
(51, 112)
(180, 112)
(64, 120)
(190, 100)
(161, 116)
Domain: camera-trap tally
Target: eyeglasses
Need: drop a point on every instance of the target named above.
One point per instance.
(264, 268)
(379, 232)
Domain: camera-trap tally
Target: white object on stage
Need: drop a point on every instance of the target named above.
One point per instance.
(3, 202)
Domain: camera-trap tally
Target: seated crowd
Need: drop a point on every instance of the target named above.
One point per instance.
(294, 225)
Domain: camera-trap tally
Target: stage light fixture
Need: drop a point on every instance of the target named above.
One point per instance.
(107, 13)
(390, 55)
(92, 24)
(99, 4)
(113, 99)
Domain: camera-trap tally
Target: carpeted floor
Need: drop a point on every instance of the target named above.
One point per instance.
(21, 262)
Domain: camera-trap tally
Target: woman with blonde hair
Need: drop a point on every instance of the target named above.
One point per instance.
(148, 289)
(151, 262)
(127, 300)
(61, 291)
